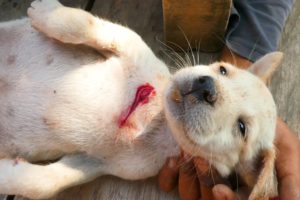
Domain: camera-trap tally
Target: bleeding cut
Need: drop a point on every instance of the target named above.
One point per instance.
(142, 96)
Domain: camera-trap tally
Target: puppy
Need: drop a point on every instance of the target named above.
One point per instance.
(93, 98)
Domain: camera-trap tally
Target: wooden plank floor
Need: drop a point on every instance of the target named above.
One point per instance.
(145, 17)
(285, 85)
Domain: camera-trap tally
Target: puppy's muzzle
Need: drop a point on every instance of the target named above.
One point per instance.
(203, 89)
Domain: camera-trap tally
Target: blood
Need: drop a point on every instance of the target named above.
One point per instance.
(142, 96)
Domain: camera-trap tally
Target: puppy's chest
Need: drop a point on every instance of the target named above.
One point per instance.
(140, 110)
(110, 106)
(143, 101)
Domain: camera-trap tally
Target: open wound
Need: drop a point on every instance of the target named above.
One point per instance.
(142, 96)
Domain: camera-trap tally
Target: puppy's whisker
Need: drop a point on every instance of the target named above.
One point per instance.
(187, 57)
(211, 58)
(237, 179)
(172, 59)
(234, 60)
(231, 53)
(181, 62)
(172, 51)
(177, 64)
(188, 60)
(180, 58)
(233, 57)
(198, 52)
(210, 161)
(189, 45)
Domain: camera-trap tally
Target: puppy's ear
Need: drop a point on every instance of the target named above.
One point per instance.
(265, 186)
(266, 66)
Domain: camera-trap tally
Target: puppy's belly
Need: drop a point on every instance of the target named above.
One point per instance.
(57, 98)
(61, 113)
(52, 96)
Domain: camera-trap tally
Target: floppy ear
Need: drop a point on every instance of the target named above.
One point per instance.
(266, 66)
(265, 186)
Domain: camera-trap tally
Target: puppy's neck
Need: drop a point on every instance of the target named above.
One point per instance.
(159, 137)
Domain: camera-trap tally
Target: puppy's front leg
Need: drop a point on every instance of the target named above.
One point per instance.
(76, 26)
(68, 25)
(40, 182)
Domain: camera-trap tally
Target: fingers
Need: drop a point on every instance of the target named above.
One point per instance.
(204, 176)
(289, 188)
(187, 173)
(213, 186)
(168, 175)
(223, 192)
(287, 162)
(180, 171)
(205, 173)
(206, 192)
(288, 159)
(188, 185)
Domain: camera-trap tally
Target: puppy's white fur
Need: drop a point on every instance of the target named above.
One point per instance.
(61, 100)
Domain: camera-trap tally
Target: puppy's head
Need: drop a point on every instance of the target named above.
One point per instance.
(222, 113)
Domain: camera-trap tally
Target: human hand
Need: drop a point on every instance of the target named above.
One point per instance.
(183, 172)
(195, 178)
(287, 162)
(180, 171)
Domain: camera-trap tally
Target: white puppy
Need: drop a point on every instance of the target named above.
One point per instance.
(116, 110)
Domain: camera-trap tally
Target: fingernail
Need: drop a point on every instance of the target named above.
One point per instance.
(219, 194)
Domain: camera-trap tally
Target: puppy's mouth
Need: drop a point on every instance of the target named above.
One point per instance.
(192, 103)
(201, 90)
(142, 96)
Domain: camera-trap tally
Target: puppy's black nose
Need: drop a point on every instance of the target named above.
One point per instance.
(203, 88)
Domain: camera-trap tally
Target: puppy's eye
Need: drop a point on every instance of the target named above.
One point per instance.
(223, 70)
(242, 128)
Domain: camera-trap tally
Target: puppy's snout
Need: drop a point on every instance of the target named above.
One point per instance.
(203, 89)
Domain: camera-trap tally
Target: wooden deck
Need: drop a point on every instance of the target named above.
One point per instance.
(145, 17)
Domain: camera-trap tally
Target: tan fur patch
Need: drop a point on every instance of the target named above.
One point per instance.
(176, 96)
(52, 125)
(160, 77)
(265, 185)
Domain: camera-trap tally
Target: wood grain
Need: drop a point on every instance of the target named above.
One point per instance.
(15, 9)
(144, 17)
(189, 22)
(285, 85)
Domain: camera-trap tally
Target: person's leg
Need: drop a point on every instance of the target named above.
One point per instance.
(254, 30)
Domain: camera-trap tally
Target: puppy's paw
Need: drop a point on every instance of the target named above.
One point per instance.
(40, 12)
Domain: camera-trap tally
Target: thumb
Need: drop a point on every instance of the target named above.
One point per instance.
(222, 192)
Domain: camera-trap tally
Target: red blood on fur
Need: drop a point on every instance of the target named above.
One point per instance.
(142, 95)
